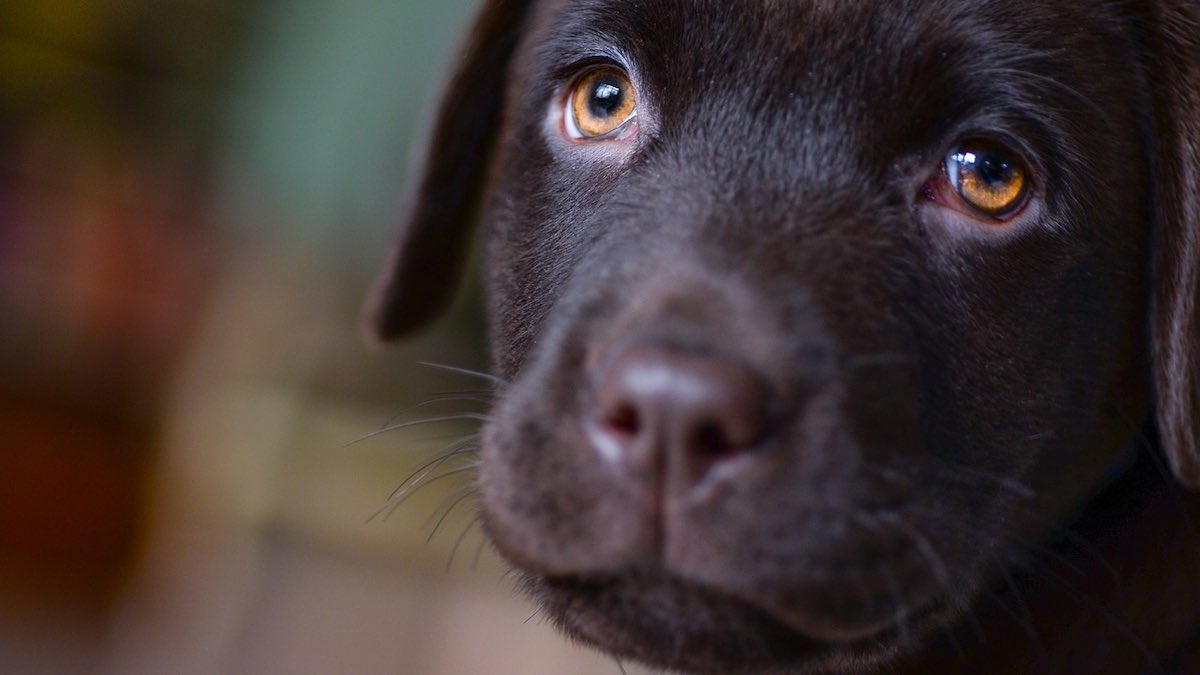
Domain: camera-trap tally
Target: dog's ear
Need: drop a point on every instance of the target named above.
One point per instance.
(423, 270)
(1174, 73)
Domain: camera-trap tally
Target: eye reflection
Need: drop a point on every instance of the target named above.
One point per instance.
(988, 177)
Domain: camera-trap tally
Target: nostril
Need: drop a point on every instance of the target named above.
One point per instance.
(710, 441)
(616, 428)
(658, 409)
(624, 421)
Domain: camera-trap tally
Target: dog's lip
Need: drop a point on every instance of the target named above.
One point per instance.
(812, 625)
(807, 626)
(843, 632)
(761, 637)
(589, 616)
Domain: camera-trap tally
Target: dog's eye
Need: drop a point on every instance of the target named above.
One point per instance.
(599, 104)
(989, 178)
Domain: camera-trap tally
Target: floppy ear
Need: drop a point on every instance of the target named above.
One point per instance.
(423, 270)
(1174, 75)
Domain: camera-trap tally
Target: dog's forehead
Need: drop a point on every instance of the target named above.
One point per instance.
(763, 33)
(859, 50)
(860, 74)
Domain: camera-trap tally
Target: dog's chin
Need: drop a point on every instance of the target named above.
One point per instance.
(665, 622)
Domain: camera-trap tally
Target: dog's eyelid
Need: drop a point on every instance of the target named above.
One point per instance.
(1019, 135)
(570, 69)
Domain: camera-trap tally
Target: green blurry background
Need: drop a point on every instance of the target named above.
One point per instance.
(194, 197)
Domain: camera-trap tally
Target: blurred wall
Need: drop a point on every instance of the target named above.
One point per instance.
(194, 196)
(109, 119)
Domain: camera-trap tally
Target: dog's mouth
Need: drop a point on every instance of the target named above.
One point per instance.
(659, 619)
(865, 600)
(849, 598)
(665, 616)
(761, 555)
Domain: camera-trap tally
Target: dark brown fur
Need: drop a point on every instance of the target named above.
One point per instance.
(976, 435)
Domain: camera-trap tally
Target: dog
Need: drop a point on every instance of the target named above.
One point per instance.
(834, 337)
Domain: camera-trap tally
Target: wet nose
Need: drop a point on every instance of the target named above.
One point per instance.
(664, 412)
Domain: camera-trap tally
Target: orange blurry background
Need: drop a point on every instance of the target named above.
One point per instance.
(194, 197)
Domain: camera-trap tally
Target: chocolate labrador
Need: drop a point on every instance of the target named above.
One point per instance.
(835, 336)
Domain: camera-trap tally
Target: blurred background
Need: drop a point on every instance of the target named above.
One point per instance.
(194, 198)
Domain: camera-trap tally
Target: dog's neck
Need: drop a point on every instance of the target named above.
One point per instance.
(1116, 591)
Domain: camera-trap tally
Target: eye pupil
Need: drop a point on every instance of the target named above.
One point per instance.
(606, 99)
(994, 170)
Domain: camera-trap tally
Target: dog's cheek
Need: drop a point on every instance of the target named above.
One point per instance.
(1036, 353)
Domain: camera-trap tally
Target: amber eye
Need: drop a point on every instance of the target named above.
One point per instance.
(988, 177)
(600, 103)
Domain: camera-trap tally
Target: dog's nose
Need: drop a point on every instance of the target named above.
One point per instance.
(660, 412)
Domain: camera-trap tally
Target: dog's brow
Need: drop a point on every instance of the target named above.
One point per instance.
(579, 36)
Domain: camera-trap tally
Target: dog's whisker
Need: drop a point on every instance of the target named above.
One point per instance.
(461, 447)
(442, 397)
(499, 381)
(483, 542)
(421, 483)
(450, 436)
(457, 417)
(462, 535)
(973, 477)
(1009, 485)
(966, 476)
(1040, 436)
(393, 499)
(462, 496)
(447, 397)
(923, 545)
(469, 469)
(927, 550)
(1047, 552)
(476, 395)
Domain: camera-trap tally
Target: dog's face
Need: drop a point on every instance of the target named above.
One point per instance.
(809, 312)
